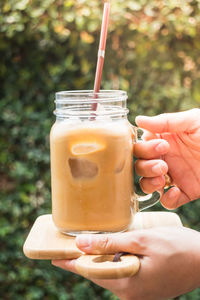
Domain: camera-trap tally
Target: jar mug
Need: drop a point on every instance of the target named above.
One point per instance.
(92, 149)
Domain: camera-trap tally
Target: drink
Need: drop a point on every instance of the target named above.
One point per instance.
(92, 177)
(92, 163)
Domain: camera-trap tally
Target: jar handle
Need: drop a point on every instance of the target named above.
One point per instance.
(149, 199)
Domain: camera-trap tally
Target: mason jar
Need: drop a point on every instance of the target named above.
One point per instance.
(92, 149)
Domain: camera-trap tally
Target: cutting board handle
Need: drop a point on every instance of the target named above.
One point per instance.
(103, 266)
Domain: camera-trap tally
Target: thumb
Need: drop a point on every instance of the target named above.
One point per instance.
(186, 121)
(132, 242)
(174, 198)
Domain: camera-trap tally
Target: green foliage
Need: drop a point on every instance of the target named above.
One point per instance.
(51, 45)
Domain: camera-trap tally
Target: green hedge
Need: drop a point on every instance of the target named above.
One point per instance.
(48, 46)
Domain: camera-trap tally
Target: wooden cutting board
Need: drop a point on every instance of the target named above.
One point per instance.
(46, 242)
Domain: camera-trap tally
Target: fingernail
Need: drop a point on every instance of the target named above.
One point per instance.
(173, 193)
(84, 241)
(161, 148)
(170, 194)
(157, 169)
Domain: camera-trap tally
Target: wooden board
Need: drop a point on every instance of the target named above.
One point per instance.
(46, 242)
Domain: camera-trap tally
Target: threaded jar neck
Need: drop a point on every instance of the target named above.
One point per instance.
(86, 104)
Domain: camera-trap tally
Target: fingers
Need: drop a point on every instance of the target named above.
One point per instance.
(148, 167)
(153, 172)
(133, 242)
(150, 185)
(187, 121)
(174, 198)
(151, 168)
(147, 135)
(151, 149)
(68, 265)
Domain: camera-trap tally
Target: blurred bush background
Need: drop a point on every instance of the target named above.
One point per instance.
(153, 52)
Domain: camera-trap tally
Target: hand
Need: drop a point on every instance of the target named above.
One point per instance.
(182, 132)
(170, 261)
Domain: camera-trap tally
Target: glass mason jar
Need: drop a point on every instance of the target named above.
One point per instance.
(92, 147)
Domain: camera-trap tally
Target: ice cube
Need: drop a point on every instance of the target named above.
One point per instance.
(82, 168)
(86, 148)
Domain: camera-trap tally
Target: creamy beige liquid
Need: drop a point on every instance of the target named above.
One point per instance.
(92, 177)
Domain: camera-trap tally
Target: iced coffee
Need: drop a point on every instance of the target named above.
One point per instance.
(92, 175)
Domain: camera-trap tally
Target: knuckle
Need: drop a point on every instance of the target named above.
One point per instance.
(138, 242)
(134, 244)
(142, 239)
(104, 243)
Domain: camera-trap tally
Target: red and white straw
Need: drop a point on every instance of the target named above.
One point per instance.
(101, 51)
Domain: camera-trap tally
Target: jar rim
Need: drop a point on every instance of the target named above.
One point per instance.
(77, 96)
